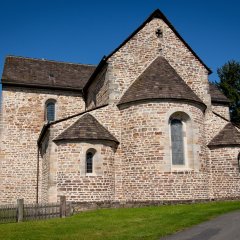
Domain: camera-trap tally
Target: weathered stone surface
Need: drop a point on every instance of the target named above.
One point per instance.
(22, 120)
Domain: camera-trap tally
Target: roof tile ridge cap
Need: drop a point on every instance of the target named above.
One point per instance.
(48, 60)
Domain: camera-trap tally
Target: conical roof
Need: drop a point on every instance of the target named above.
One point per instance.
(159, 81)
(228, 136)
(86, 128)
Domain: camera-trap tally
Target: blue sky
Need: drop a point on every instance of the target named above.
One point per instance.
(84, 31)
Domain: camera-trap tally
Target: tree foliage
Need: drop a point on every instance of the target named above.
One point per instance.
(229, 75)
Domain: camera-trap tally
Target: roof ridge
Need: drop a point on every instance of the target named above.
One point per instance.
(159, 14)
(48, 60)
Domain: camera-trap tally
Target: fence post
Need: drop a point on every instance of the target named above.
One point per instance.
(20, 206)
(63, 206)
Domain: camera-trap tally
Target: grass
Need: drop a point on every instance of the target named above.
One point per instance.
(121, 224)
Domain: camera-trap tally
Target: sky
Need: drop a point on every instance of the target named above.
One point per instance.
(85, 31)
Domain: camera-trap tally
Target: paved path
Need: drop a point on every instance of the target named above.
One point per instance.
(225, 227)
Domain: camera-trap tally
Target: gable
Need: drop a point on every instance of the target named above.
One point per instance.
(159, 15)
(132, 58)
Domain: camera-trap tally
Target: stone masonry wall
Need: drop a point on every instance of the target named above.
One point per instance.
(22, 121)
(44, 163)
(221, 110)
(72, 179)
(109, 116)
(225, 172)
(138, 53)
(97, 94)
(213, 126)
(146, 155)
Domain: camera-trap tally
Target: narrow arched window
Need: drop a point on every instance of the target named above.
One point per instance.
(177, 142)
(89, 162)
(50, 110)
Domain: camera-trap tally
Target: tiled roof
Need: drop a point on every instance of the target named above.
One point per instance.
(86, 128)
(216, 95)
(228, 136)
(44, 73)
(159, 81)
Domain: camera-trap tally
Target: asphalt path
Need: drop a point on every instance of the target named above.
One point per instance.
(224, 227)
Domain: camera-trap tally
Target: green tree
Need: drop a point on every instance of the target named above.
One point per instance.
(229, 75)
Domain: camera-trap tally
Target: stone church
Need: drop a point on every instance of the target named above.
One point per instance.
(144, 125)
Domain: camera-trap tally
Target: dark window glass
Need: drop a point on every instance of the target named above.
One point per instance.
(50, 111)
(177, 142)
(89, 163)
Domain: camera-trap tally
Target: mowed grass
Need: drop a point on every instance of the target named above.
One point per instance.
(121, 224)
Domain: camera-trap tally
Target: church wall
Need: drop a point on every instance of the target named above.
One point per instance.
(213, 125)
(45, 166)
(221, 110)
(138, 53)
(72, 179)
(146, 155)
(110, 117)
(22, 121)
(225, 172)
(97, 93)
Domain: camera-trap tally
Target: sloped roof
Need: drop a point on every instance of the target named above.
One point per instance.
(86, 128)
(216, 95)
(45, 73)
(228, 136)
(158, 14)
(159, 81)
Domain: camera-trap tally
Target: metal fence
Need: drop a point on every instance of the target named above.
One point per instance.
(28, 212)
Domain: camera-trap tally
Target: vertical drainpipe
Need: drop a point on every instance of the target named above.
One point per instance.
(37, 189)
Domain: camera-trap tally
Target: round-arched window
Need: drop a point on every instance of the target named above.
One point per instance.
(89, 162)
(50, 110)
(177, 142)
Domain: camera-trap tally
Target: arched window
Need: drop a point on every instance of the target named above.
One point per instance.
(177, 142)
(89, 162)
(50, 110)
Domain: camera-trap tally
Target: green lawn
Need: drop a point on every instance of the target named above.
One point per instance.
(124, 224)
